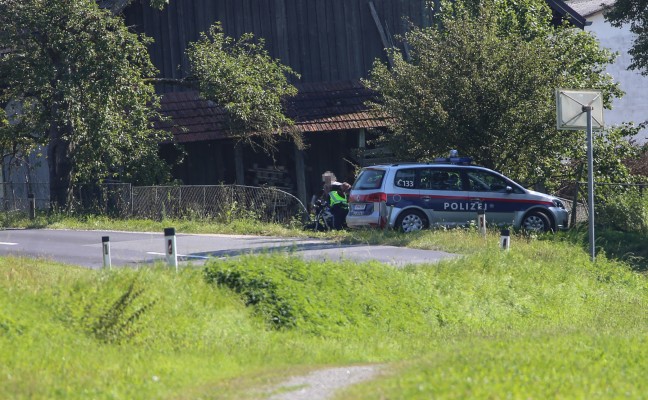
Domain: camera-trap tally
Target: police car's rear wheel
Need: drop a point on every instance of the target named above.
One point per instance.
(536, 222)
(411, 221)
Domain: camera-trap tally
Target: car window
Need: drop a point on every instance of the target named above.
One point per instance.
(484, 181)
(405, 178)
(440, 179)
(369, 179)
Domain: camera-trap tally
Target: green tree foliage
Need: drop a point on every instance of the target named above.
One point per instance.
(117, 6)
(635, 13)
(483, 81)
(79, 75)
(241, 76)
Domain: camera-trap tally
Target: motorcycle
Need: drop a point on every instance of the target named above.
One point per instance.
(322, 219)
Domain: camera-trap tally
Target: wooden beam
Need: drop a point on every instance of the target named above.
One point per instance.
(238, 164)
(381, 31)
(300, 175)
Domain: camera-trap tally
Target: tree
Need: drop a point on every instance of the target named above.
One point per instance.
(247, 82)
(483, 82)
(117, 6)
(80, 77)
(85, 86)
(635, 13)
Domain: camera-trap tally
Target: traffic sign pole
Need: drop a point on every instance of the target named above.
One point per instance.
(590, 181)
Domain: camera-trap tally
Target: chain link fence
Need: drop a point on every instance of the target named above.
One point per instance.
(574, 195)
(122, 200)
(221, 202)
(16, 196)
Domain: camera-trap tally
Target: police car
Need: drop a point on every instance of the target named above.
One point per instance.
(448, 192)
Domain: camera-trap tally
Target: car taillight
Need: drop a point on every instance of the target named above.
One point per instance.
(373, 197)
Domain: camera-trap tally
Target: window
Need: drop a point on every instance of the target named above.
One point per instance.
(440, 179)
(484, 181)
(369, 179)
(405, 178)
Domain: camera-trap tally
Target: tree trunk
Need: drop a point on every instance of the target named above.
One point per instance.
(60, 169)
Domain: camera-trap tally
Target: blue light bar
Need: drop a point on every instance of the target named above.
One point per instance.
(453, 160)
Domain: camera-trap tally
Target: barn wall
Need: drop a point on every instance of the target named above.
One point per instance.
(322, 40)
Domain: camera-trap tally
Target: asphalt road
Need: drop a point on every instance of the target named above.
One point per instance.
(85, 248)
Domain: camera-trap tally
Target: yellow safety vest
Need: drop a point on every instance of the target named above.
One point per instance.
(335, 198)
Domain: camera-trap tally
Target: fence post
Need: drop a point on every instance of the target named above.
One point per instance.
(132, 196)
(32, 205)
(575, 205)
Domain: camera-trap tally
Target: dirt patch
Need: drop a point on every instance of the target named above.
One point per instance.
(322, 384)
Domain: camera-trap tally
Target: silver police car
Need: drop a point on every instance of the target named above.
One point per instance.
(448, 192)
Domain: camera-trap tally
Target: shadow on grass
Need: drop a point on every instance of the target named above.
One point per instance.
(629, 247)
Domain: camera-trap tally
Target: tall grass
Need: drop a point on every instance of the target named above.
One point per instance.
(540, 321)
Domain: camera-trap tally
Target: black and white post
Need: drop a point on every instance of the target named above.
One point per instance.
(505, 240)
(105, 244)
(481, 221)
(170, 244)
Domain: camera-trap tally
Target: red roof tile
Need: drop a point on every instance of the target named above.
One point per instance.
(319, 107)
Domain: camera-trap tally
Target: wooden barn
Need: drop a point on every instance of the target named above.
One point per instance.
(332, 44)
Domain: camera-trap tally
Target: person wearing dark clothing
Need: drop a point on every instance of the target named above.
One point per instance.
(339, 204)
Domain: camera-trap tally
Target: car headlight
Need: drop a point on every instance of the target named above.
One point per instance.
(558, 203)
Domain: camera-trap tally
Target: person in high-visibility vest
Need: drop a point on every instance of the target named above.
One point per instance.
(339, 204)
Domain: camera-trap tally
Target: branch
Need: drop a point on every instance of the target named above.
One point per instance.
(116, 6)
(185, 82)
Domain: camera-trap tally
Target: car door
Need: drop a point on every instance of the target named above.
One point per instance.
(499, 197)
(444, 195)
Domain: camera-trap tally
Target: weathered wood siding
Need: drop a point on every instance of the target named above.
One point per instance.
(323, 40)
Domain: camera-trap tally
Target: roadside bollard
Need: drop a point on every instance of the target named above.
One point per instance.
(481, 221)
(105, 244)
(170, 243)
(505, 240)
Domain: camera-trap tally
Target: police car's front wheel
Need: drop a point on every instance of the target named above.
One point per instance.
(536, 222)
(411, 221)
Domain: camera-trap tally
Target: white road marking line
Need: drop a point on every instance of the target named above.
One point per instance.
(179, 255)
(8, 244)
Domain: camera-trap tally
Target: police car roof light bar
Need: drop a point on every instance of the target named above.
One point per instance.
(453, 160)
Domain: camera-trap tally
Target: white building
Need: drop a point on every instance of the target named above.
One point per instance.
(633, 106)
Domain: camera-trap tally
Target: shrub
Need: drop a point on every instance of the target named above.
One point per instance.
(322, 298)
(626, 211)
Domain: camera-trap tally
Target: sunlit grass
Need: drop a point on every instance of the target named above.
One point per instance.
(538, 321)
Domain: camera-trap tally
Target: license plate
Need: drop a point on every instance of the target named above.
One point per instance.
(359, 207)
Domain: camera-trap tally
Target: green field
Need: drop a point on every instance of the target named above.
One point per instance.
(540, 321)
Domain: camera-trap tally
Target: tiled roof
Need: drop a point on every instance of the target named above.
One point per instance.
(566, 12)
(587, 8)
(321, 107)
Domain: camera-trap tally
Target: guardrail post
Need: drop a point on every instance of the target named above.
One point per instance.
(170, 244)
(481, 221)
(505, 240)
(105, 242)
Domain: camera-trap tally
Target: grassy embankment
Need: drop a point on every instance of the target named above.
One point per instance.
(540, 321)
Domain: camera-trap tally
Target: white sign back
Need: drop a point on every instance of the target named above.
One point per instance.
(570, 109)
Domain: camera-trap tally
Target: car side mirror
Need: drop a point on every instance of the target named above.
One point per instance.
(509, 189)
